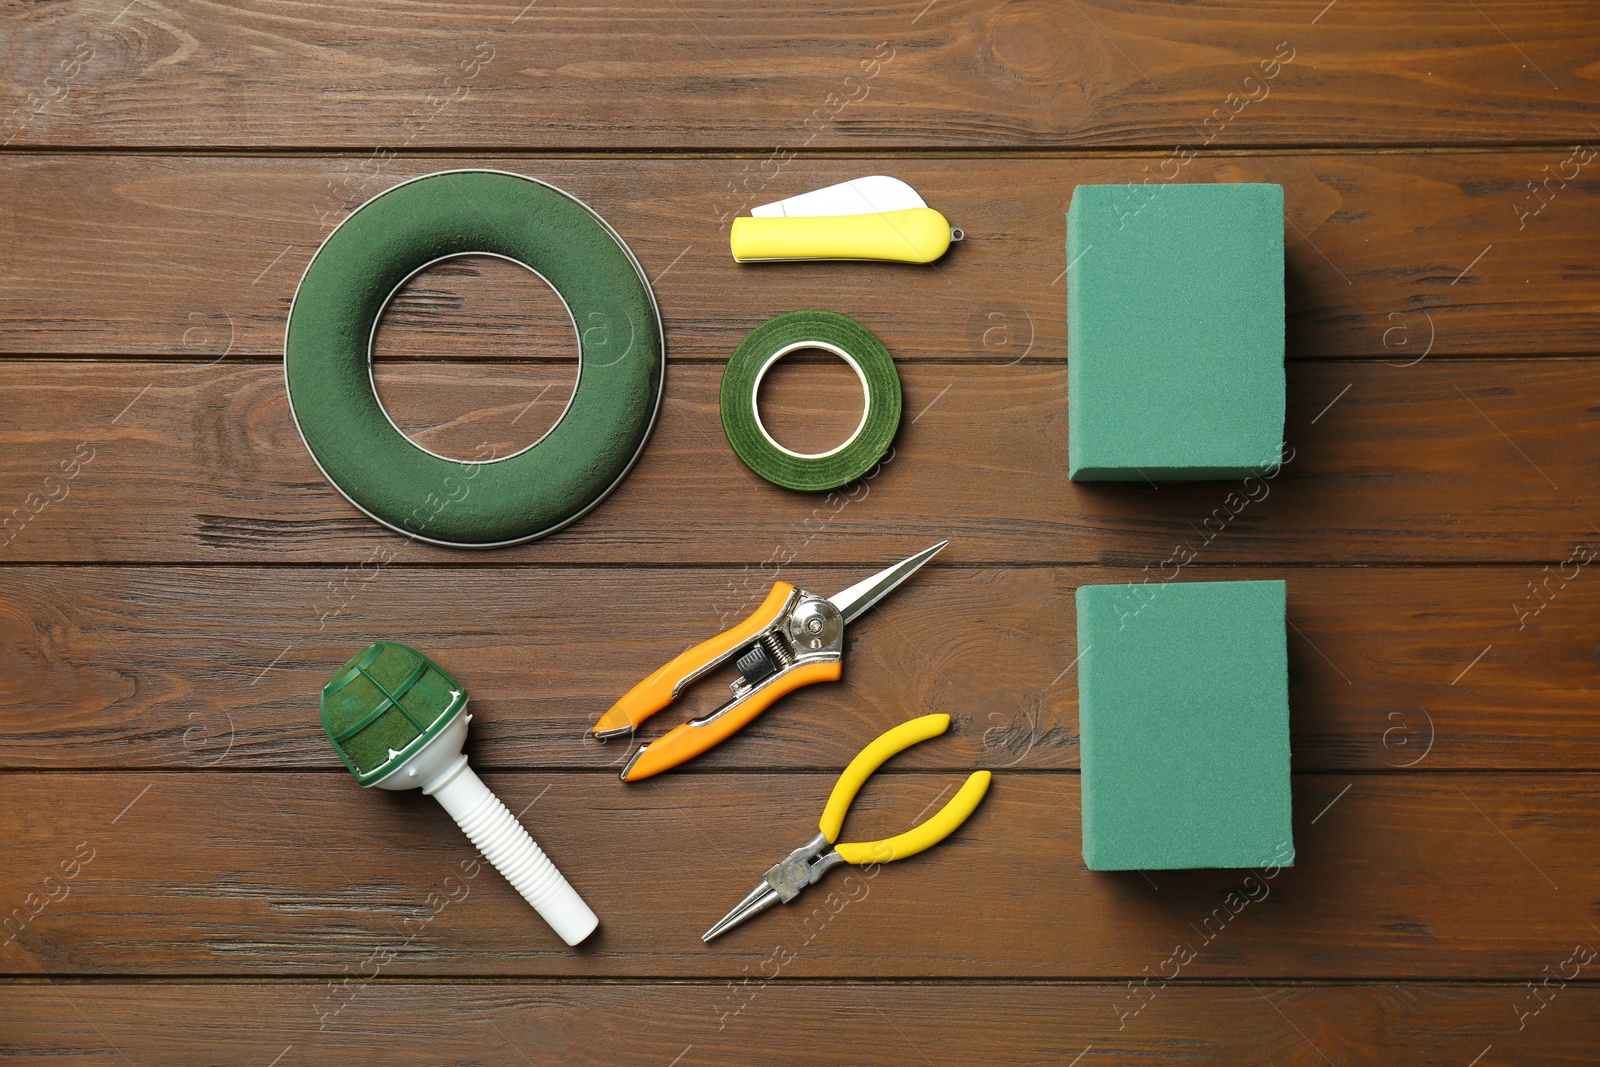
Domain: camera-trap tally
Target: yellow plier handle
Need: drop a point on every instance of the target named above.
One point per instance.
(922, 836)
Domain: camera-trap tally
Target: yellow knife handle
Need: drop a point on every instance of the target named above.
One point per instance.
(912, 235)
(924, 835)
(661, 688)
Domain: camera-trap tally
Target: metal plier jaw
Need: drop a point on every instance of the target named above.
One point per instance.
(804, 867)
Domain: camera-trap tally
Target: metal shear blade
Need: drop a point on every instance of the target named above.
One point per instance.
(855, 601)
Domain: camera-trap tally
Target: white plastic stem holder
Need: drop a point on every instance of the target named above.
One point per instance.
(440, 770)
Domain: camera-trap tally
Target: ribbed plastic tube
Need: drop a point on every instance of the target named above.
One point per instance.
(504, 843)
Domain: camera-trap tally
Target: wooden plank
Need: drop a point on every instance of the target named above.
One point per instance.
(1390, 256)
(858, 1023)
(1433, 668)
(188, 869)
(696, 74)
(1433, 463)
(248, 874)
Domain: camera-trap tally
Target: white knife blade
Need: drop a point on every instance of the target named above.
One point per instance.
(860, 196)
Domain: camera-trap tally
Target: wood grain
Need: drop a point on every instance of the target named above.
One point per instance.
(1440, 462)
(189, 876)
(705, 74)
(629, 1023)
(1430, 668)
(1393, 257)
(245, 874)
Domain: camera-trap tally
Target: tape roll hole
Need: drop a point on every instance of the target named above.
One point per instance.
(517, 331)
(808, 399)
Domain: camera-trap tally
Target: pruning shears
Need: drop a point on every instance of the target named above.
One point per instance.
(793, 639)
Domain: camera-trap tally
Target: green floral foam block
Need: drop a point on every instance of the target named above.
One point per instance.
(1183, 721)
(1175, 326)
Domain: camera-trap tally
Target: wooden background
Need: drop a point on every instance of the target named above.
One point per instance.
(190, 877)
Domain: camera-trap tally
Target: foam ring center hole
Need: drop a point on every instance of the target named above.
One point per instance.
(494, 315)
(816, 417)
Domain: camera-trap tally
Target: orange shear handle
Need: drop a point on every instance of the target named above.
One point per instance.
(688, 740)
(661, 688)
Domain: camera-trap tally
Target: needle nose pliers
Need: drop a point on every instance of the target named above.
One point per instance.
(806, 864)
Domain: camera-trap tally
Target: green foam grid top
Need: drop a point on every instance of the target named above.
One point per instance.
(384, 705)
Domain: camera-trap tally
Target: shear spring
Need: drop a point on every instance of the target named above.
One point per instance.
(778, 649)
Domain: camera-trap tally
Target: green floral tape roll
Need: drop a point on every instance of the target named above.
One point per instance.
(770, 342)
